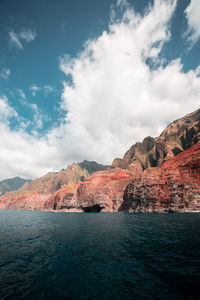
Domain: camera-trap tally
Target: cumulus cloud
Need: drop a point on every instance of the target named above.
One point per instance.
(5, 73)
(112, 97)
(115, 98)
(24, 155)
(16, 39)
(192, 13)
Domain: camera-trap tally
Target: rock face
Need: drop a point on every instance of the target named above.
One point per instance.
(25, 201)
(177, 137)
(172, 187)
(103, 191)
(158, 175)
(11, 184)
(35, 194)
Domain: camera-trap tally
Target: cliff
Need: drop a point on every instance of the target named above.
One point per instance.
(172, 187)
(102, 191)
(35, 194)
(158, 175)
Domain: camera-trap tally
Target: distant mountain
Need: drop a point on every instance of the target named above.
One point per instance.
(11, 184)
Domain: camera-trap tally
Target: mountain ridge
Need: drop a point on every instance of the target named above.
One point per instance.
(54, 181)
(175, 138)
(141, 174)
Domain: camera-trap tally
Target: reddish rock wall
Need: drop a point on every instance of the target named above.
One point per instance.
(174, 186)
(103, 191)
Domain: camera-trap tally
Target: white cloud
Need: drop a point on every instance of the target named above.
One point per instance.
(16, 39)
(38, 123)
(48, 89)
(112, 98)
(28, 35)
(112, 101)
(5, 73)
(21, 93)
(122, 3)
(38, 117)
(6, 111)
(24, 155)
(192, 13)
(34, 88)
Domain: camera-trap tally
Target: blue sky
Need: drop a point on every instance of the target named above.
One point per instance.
(87, 79)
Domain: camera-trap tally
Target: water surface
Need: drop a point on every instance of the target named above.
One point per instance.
(46, 255)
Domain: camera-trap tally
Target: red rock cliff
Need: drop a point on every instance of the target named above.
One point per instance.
(172, 187)
(103, 191)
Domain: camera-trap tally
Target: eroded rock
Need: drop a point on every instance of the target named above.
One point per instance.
(172, 187)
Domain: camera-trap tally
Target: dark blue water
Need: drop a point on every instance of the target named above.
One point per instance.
(46, 255)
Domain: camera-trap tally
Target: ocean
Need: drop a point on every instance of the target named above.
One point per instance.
(46, 255)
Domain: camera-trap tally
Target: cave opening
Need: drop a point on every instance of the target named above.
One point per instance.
(93, 208)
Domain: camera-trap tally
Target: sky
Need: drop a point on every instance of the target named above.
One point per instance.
(87, 79)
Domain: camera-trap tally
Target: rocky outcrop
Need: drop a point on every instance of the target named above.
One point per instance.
(25, 201)
(172, 187)
(177, 137)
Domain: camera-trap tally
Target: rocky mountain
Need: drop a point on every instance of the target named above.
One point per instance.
(158, 175)
(177, 137)
(11, 184)
(54, 181)
(172, 187)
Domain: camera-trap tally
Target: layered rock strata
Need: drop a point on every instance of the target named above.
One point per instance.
(103, 191)
(172, 187)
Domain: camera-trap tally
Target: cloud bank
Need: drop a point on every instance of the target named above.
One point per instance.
(117, 91)
(193, 17)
